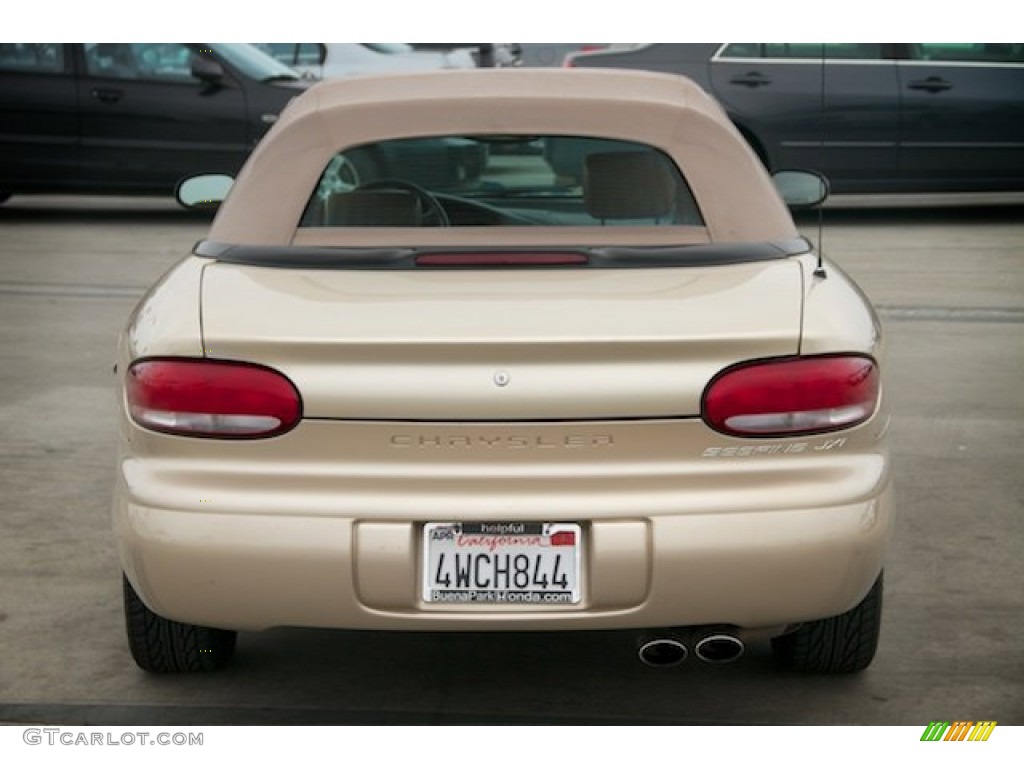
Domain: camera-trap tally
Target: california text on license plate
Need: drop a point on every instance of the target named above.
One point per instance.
(521, 563)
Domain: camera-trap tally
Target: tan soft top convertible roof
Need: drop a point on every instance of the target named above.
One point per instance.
(735, 195)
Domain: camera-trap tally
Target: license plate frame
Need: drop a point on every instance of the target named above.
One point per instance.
(502, 564)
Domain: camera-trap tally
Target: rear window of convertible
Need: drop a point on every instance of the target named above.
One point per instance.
(452, 181)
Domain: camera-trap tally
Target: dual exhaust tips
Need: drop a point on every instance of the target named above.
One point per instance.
(669, 651)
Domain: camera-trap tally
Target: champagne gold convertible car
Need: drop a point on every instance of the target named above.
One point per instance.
(626, 397)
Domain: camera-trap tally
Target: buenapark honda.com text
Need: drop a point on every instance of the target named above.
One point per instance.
(53, 737)
(497, 596)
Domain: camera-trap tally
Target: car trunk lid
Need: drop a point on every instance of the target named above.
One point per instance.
(502, 344)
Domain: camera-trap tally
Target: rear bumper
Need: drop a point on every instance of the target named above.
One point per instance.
(255, 570)
(322, 527)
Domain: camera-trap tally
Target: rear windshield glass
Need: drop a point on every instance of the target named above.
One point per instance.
(501, 181)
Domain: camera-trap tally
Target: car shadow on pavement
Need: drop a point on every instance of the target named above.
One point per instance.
(328, 677)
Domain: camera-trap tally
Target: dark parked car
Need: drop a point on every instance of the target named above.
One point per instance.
(132, 117)
(872, 117)
(136, 118)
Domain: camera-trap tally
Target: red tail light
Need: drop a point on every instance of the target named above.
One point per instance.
(792, 396)
(211, 398)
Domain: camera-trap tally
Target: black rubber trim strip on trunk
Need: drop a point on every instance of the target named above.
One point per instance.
(498, 422)
(627, 257)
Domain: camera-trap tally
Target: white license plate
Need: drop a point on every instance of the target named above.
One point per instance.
(502, 563)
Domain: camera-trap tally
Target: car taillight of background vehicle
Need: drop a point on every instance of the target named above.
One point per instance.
(585, 48)
(211, 398)
(792, 396)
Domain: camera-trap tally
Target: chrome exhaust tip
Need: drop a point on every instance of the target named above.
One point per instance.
(662, 652)
(719, 649)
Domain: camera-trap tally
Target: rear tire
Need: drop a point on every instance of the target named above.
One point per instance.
(840, 644)
(161, 645)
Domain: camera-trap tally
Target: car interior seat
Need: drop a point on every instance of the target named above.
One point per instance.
(636, 185)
